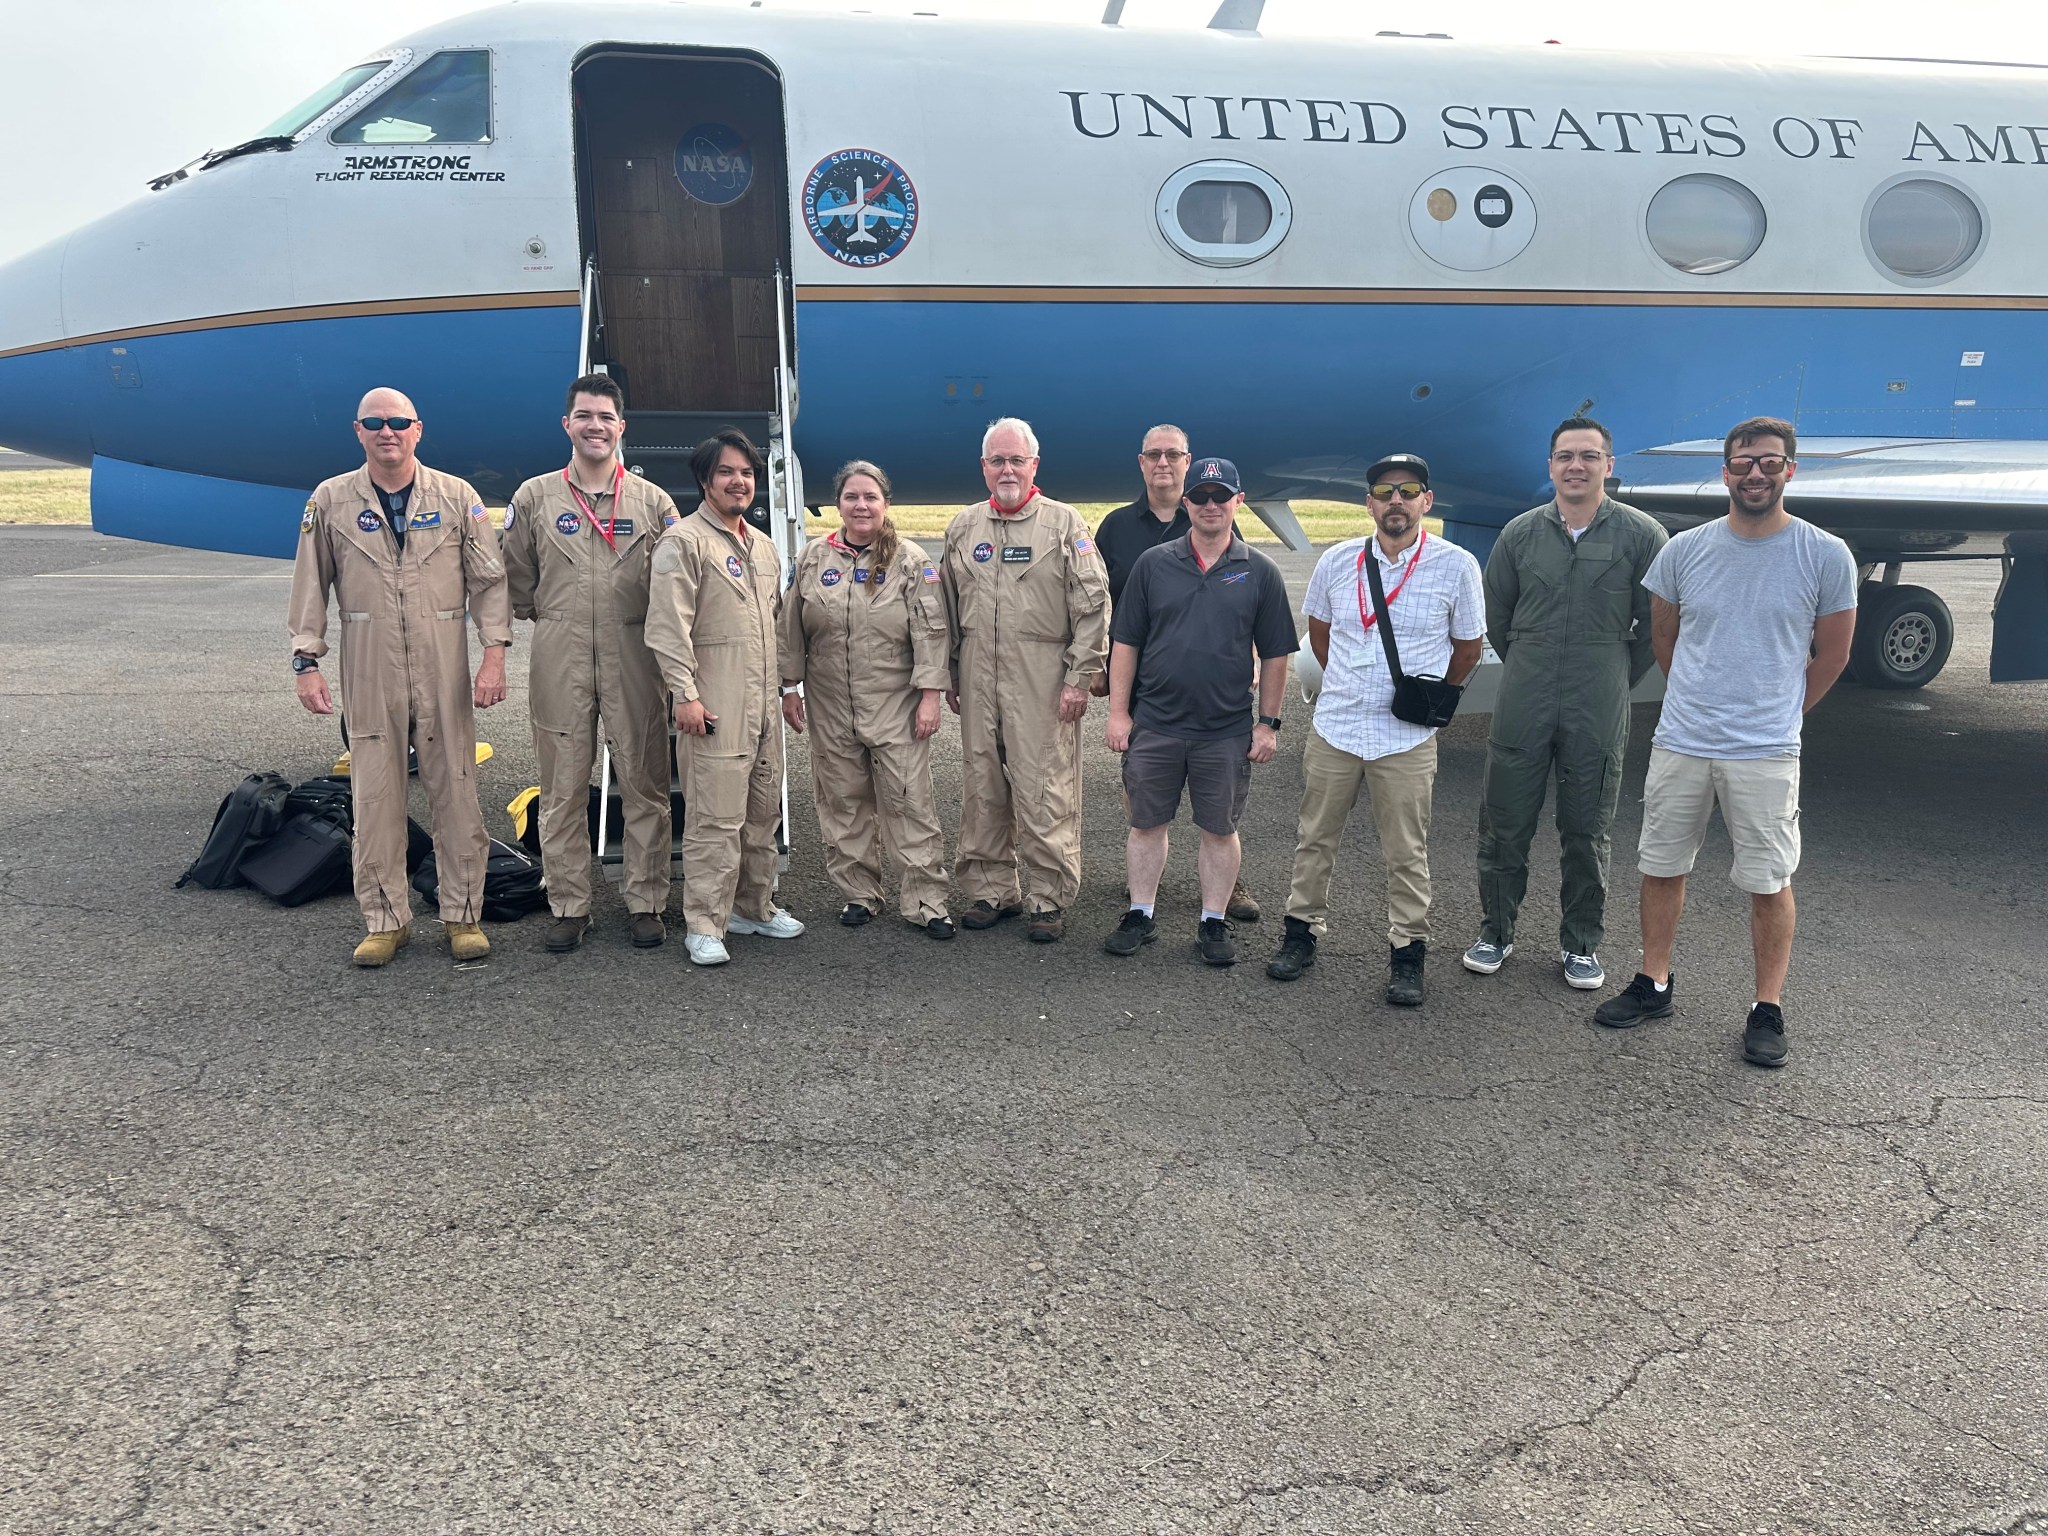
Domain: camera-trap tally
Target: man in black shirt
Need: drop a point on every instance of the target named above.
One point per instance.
(1155, 516)
(1195, 615)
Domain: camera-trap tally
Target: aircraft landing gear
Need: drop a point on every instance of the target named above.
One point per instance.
(1903, 636)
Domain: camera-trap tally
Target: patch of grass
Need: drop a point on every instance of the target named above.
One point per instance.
(45, 496)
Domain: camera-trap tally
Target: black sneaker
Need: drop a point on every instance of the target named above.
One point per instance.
(853, 915)
(1132, 934)
(1215, 943)
(1763, 1038)
(1297, 951)
(986, 914)
(1404, 974)
(1637, 1001)
(939, 927)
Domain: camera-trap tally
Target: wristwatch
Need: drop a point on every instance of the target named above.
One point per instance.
(789, 688)
(1270, 722)
(303, 663)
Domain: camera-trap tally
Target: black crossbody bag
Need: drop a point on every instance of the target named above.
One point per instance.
(1425, 701)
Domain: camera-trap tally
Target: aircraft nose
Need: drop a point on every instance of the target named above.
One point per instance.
(41, 405)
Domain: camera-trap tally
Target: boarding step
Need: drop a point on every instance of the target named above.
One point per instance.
(659, 444)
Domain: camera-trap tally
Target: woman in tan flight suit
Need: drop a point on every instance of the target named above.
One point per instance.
(864, 633)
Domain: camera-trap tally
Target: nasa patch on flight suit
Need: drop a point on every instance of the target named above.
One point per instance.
(735, 568)
(568, 525)
(829, 577)
(367, 521)
(984, 552)
(311, 519)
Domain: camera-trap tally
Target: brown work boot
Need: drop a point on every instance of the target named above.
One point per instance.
(563, 934)
(466, 941)
(1243, 906)
(379, 948)
(986, 914)
(647, 930)
(1047, 927)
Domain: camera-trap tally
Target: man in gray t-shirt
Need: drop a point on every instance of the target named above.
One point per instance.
(1751, 617)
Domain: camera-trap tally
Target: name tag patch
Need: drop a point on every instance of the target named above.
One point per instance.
(860, 577)
(1016, 554)
(425, 520)
(622, 528)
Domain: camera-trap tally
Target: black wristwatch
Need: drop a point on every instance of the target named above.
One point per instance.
(1270, 722)
(305, 664)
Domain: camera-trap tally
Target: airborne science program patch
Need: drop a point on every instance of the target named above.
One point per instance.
(859, 207)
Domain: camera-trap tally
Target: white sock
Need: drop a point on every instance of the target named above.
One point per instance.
(1207, 915)
(1142, 906)
(1662, 986)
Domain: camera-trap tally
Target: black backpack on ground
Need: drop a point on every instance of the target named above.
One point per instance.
(309, 858)
(250, 814)
(512, 884)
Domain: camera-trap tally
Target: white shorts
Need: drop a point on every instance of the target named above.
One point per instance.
(1759, 799)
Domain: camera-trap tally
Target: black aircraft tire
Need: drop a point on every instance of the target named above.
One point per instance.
(1903, 637)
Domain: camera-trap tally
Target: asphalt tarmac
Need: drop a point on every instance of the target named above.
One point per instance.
(864, 1233)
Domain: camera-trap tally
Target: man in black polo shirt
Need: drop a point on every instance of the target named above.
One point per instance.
(1154, 517)
(1180, 675)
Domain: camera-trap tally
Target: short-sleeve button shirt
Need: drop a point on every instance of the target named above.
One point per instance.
(1443, 600)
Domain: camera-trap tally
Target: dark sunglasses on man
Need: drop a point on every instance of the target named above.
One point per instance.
(395, 423)
(1408, 490)
(1769, 463)
(1208, 496)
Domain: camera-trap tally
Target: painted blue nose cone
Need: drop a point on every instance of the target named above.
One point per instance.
(42, 405)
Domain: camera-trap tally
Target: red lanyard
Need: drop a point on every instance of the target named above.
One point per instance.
(604, 527)
(999, 511)
(1366, 619)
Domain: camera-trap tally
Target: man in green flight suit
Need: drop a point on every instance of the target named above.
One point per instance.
(1567, 613)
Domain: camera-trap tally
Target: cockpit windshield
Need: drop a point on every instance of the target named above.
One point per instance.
(295, 121)
(447, 100)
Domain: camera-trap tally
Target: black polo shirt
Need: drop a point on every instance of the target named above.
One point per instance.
(1194, 632)
(1128, 532)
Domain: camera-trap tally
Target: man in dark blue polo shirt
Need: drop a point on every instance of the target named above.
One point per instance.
(1183, 638)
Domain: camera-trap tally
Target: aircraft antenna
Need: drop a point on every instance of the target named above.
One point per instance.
(1237, 16)
(1113, 13)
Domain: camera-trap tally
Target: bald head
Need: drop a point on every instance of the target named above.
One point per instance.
(390, 450)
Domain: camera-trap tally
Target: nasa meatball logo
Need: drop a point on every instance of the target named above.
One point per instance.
(983, 553)
(714, 164)
(568, 524)
(830, 578)
(367, 521)
(860, 207)
(732, 565)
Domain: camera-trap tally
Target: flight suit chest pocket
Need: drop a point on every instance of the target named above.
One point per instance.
(1617, 575)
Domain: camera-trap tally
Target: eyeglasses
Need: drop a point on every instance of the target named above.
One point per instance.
(1162, 455)
(395, 423)
(1204, 497)
(1008, 461)
(1583, 456)
(1407, 489)
(1769, 463)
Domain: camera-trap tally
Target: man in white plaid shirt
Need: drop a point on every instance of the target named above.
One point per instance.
(1437, 607)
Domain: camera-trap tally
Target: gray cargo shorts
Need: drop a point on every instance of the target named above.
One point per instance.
(1218, 776)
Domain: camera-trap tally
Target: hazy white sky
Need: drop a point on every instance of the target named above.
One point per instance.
(97, 96)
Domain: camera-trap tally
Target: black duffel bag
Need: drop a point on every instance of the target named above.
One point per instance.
(512, 883)
(308, 859)
(1425, 701)
(248, 817)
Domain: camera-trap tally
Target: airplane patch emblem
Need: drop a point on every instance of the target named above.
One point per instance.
(859, 207)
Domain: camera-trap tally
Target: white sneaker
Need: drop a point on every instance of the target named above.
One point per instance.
(705, 949)
(780, 925)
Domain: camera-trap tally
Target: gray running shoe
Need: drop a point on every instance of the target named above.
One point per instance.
(1582, 971)
(1485, 957)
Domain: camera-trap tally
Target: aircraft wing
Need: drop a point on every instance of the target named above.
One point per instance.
(1882, 494)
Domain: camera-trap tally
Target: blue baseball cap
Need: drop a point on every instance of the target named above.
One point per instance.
(1215, 472)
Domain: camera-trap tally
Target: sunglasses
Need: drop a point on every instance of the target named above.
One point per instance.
(1204, 497)
(1407, 489)
(1162, 455)
(1769, 463)
(395, 423)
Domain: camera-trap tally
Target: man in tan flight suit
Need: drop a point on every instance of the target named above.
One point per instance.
(712, 608)
(579, 550)
(408, 552)
(1030, 603)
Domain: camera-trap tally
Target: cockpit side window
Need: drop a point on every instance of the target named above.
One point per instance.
(447, 100)
(321, 101)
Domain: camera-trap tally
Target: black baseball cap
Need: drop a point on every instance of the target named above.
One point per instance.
(1409, 466)
(1215, 472)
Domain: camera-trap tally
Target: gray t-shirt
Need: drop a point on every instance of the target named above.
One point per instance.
(1746, 614)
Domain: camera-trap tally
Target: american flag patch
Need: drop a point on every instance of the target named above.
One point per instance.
(477, 511)
(1082, 546)
(930, 574)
